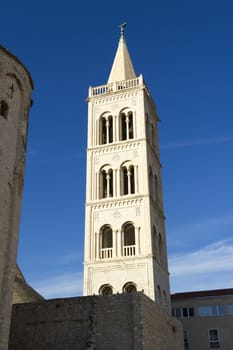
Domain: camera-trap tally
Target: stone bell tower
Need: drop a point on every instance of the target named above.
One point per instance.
(125, 241)
(15, 101)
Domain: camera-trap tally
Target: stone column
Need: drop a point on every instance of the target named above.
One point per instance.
(15, 101)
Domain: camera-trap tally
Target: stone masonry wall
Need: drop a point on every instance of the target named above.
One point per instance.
(115, 322)
(15, 101)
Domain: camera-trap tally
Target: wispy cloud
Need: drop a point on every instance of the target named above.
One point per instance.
(206, 268)
(201, 230)
(193, 143)
(64, 285)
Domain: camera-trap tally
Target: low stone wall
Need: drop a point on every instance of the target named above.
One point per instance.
(124, 322)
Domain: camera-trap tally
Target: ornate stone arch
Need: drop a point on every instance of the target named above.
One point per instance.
(106, 181)
(106, 289)
(128, 178)
(126, 124)
(105, 128)
(129, 287)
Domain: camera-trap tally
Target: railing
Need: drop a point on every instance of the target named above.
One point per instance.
(105, 253)
(116, 86)
(129, 250)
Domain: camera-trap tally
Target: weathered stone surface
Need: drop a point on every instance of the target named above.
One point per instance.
(15, 101)
(124, 322)
(23, 292)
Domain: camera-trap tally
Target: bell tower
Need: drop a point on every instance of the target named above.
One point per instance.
(125, 241)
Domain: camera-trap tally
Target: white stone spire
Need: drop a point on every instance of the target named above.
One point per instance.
(122, 68)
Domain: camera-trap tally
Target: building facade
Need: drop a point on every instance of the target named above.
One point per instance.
(15, 102)
(207, 318)
(125, 241)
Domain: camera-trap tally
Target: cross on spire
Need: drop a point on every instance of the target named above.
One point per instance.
(122, 27)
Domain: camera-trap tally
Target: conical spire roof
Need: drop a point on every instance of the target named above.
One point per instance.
(122, 68)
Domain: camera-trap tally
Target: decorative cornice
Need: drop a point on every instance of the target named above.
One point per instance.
(116, 203)
(115, 97)
(119, 146)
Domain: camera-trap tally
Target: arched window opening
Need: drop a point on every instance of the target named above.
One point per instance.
(154, 240)
(106, 183)
(152, 135)
(129, 287)
(128, 180)
(110, 128)
(160, 246)
(132, 179)
(147, 128)
(106, 289)
(127, 127)
(130, 125)
(158, 294)
(129, 240)
(125, 180)
(4, 108)
(106, 243)
(156, 188)
(150, 182)
(106, 130)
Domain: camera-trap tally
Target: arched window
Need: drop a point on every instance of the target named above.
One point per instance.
(160, 246)
(156, 189)
(159, 294)
(106, 182)
(150, 182)
(106, 289)
(128, 240)
(126, 126)
(154, 240)
(129, 287)
(128, 179)
(4, 109)
(106, 242)
(152, 135)
(106, 129)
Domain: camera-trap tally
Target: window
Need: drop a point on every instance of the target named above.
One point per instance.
(183, 312)
(214, 339)
(129, 240)
(154, 240)
(159, 297)
(106, 289)
(106, 242)
(129, 287)
(210, 310)
(230, 309)
(128, 179)
(160, 245)
(151, 182)
(186, 341)
(156, 188)
(127, 128)
(106, 129)
(106, 182)
(4, 109)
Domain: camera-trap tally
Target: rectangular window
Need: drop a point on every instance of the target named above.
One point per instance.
(230, 309)
(214, 339)
(183, 312)
(210, 310)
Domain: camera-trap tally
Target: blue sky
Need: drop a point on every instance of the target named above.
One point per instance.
(184, 51)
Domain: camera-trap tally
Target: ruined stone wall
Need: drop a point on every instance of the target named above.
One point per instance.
(15, 101)
(115, 322)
